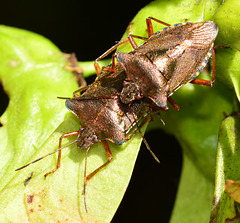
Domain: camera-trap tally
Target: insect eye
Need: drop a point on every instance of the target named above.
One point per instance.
(138, 97)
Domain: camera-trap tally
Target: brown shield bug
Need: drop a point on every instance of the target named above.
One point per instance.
(166, 60)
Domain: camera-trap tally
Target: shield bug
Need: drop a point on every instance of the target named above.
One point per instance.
(166, 60)
(103, 117)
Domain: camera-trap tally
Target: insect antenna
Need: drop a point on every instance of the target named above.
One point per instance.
(96, 97)
(148, 147)
(143, 138)
(91, 98)
(63, 98)
(46, 155)
(85, 181)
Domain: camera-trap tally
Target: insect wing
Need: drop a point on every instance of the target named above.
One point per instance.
(103, 116)
(188, 67)
(165, 39)
(195, 57)
(181, 51)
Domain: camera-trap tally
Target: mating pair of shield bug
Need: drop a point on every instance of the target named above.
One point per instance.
(103, 117)
(142, 81)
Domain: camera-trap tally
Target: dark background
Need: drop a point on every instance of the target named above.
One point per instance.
(89, 28)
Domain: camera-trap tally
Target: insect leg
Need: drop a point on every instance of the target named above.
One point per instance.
(89, 176)
(131, 36)
(132, 41)
(96, 64)
(202, 82)
(109, 155)
(173, 103)
(113, 48)
(66, 135)
(150, 27)
(81, 89)
(59, 149)
(144, 140)
(112, 68)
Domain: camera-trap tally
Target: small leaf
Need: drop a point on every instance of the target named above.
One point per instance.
(227, 18)
(227, 168)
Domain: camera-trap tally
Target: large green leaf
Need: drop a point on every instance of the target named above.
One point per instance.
(33, 75)
(31, 71)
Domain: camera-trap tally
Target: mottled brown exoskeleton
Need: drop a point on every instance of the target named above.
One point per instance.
(166, 60)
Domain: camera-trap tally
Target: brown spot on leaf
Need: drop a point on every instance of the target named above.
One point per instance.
(14, 63)
(233, 189)
(30, 199)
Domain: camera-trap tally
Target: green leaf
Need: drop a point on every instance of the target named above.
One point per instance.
(227, 19)
(228, 69)
(196, 127)
(193, 184)
(32, 72)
